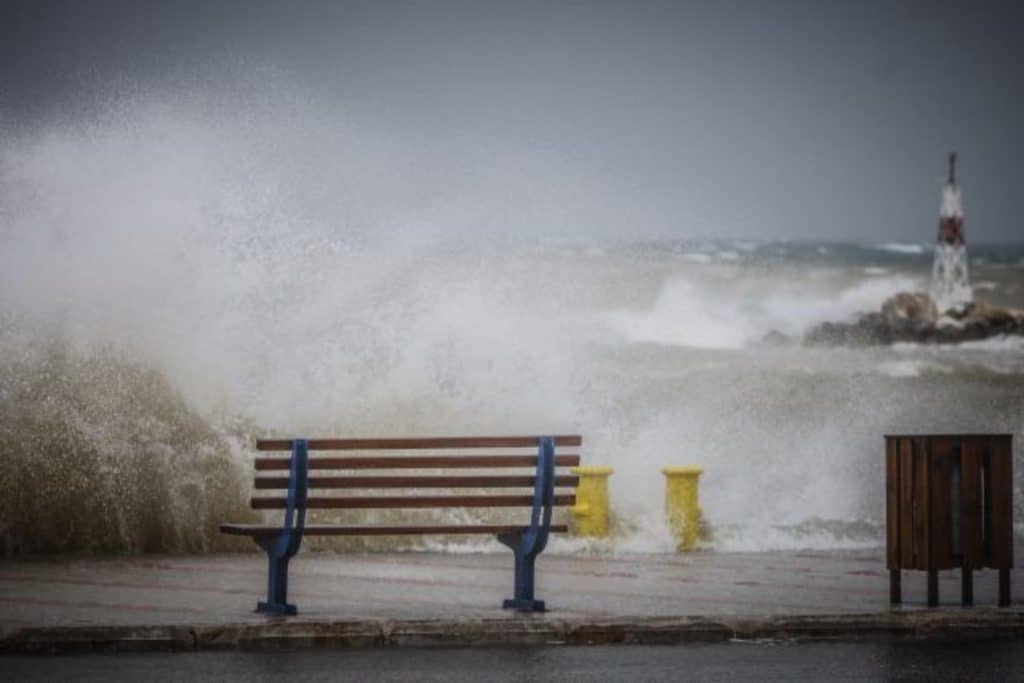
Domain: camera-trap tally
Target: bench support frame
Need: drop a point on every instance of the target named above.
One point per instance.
(282, 547)
(527, 543)
(531, 541)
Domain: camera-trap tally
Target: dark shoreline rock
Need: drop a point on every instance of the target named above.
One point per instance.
(913, 317)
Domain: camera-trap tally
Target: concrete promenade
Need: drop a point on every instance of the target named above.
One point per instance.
(206, 602)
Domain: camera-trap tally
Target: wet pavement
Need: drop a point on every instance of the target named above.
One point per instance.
(201, 602)
(219, 588)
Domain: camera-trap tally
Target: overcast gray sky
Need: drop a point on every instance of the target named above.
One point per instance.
(819, 120)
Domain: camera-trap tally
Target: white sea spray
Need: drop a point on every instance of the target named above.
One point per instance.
(178, 276)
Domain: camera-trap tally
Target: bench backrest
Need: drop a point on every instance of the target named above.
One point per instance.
(290, 474)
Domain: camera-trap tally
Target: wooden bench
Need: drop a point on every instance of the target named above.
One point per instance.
(292, 483)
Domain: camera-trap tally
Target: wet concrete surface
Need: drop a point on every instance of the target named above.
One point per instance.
(446, 598)
(219, 588)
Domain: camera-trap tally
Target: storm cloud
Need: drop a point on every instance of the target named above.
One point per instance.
(795, 120)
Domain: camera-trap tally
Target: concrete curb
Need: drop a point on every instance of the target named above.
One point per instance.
(519, 631)
(59, 639)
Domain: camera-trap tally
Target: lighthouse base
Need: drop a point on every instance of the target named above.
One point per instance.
(951, 287)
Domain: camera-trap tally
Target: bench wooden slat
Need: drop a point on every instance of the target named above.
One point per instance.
(416, 482)
(380, 530)
(380, 502)
(418, 443)
(416, 462)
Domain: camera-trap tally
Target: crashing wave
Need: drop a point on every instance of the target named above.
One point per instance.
(102, 455)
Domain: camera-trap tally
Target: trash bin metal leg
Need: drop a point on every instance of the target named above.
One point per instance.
(967, 586)
(895, 587)
(933, 587)
(1004, 587)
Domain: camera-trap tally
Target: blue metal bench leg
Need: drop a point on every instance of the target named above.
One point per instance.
(529, 543)
(277, 588)
(523, 600)
(283, 546)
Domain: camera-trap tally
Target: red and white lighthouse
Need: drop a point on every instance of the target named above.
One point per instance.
(951, 287)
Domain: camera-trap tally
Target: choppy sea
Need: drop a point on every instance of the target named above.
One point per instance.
(127, 417)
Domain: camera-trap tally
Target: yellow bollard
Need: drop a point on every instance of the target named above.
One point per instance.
(591, 513)
(682, 505)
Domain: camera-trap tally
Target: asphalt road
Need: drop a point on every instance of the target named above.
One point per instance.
(733, 662)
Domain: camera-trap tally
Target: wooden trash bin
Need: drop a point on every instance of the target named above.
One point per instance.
(949, 503)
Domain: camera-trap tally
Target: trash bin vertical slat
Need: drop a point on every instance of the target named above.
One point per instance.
(939, 504)
(892, 503)
(999, 487)
(906, 504)
(970, 503)
(922, 520)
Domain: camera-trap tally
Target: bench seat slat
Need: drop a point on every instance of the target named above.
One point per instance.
(387, 502)
(418, 443)
(416, 482)
(417, 462)
(380, 530)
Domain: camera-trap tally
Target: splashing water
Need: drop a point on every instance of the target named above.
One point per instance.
(179, 274)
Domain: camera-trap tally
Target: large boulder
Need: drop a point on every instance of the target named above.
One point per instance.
(870, 329)
(910, 310)
(993, 317)
(914, 317)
